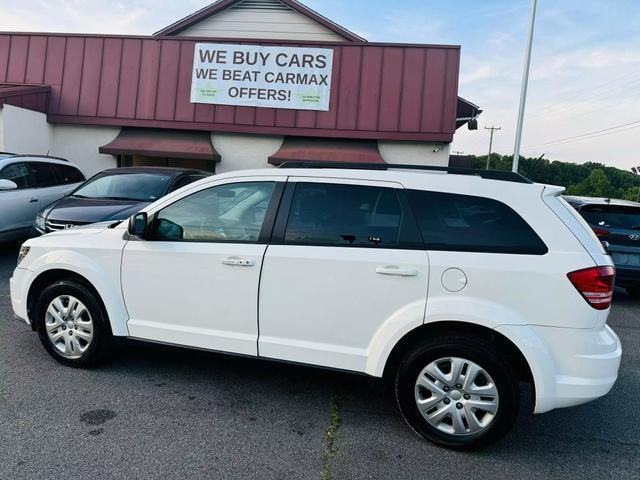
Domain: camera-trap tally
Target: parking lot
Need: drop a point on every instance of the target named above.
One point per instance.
(161, 412)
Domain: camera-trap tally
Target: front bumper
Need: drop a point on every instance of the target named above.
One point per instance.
(570, 366)
(18, 286)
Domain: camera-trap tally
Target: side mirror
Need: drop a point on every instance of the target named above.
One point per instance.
(138, 224)
(7, 185)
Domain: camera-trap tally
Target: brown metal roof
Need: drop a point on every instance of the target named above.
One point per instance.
(322, 150)
(32, 97)
(162, 143)
(378, 91)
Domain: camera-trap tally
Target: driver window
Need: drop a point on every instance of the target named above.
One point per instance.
(226, 213)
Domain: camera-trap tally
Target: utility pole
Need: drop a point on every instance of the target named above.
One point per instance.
(457, 152)
(636, 172)
(493, 129)
(523, 91)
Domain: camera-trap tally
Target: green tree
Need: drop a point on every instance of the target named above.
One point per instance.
(589, 179)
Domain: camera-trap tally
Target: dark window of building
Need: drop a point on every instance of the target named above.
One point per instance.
(344, 215)
(18, 173)
(43, 174)
(226, 213)
(472, 224)
(68, 174)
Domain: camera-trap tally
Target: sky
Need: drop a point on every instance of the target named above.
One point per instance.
(584, 90)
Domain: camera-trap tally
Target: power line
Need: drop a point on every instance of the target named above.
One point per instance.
(592, 90)
(562, 110)
(584, 134)
(596, 136)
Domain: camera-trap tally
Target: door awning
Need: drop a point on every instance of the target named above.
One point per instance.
(157, 142)
(300, 149)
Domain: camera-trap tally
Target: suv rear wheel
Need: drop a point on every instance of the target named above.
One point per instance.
(71, 324)
(458, 392)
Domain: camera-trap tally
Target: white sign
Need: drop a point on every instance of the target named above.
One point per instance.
(260, 76)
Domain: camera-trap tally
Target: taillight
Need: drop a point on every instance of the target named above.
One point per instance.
(595, 285)
(600, 232)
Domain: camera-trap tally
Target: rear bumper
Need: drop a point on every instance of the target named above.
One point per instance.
(570, 366)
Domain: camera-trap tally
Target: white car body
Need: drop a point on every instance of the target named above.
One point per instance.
(346, 307)
(19, 207)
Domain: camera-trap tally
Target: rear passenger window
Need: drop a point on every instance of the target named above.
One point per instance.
(472, 224)
(43, 174)
(68, 174)
(344, 215)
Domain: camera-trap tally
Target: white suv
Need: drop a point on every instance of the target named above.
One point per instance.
(454, 286)
(28, 183)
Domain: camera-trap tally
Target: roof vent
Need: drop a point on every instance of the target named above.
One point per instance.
(270, 5)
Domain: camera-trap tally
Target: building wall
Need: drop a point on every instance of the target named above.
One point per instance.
(261, 23)
(23, 131)
(241, 152)
(79, 144)
(415, 153)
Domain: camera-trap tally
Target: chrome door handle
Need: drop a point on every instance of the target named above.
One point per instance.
(33, 200)
(238, 262)
(397, 270)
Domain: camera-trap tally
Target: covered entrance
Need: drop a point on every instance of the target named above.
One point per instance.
(144, 147)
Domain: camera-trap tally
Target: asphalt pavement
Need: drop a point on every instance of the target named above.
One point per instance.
(156, 412)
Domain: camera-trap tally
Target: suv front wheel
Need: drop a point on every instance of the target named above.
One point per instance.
(71, 324)
(458, 392)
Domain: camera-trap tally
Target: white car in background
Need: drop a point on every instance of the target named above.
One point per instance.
(452, 286)
(29, 183)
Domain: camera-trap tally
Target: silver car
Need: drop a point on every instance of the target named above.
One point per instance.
(27, 184)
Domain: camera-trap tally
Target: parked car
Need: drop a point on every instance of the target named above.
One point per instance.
(113, 194)
(454, 287)
(617, 224)
(27, 183)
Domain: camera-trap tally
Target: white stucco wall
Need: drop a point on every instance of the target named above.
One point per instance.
(23, 131)
(415, 153)
(79, 144)
(241, 152)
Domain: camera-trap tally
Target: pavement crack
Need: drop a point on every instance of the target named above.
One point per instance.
(332, 430)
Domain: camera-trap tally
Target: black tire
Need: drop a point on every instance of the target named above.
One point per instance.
(99, 346)
(633, 292)
(477, 350)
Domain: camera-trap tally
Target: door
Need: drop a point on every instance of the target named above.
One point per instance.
(194, 279)
(346, 259)
(18, 208)
(50, 185)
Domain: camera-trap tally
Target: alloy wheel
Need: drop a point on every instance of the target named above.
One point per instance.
(69, 326)
(456, 396)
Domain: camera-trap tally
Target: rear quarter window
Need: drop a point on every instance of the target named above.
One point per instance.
(468, 223)
(68, 174)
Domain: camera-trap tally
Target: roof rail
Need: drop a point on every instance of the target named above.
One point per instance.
(36, 155)
(488, 174)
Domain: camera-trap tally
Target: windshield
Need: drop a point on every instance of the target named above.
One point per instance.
(613, 216)
(142, 187)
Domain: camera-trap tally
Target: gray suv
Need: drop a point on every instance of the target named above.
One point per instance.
(617, 224)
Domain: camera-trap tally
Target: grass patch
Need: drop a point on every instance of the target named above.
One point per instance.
(332, 430)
